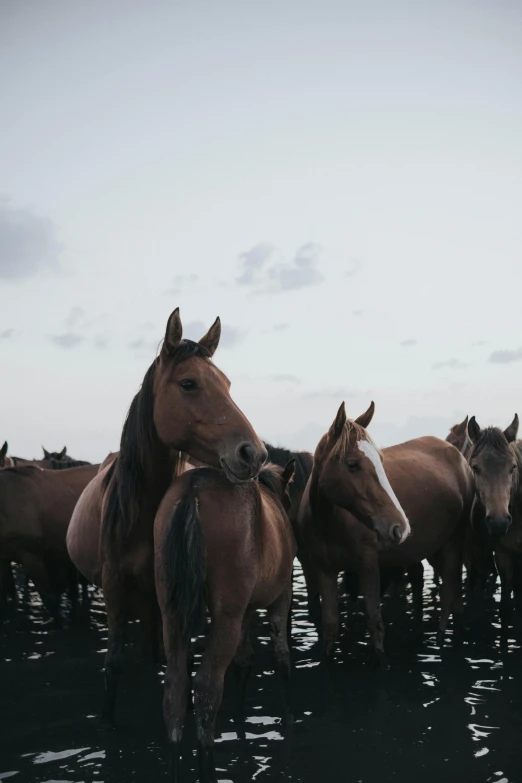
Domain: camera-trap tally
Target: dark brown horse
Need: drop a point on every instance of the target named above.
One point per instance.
(184, 405)
(232, 550)
(357, 511)
(35, 509)
(496, 462)
(304, 461)
(54, 460)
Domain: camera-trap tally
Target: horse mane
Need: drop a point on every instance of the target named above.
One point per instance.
(64, 464)
(303, 464)
(342, 443)
(125, 480)
(270, 477)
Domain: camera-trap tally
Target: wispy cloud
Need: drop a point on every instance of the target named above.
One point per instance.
(178, 282)
(505, 357)
(451, 364)
(6, 334)
(408, 343)
(28, 243)
(264, 274)
(253, 261)
(67, 340)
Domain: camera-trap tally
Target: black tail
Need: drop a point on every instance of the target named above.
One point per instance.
(184, 564)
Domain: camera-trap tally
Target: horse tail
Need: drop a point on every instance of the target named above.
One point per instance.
(184, 564)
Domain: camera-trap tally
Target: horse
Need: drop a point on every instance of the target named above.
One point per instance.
(183, 407)
(304, 461)
(496, 462)
(35, 509)
(458, 437)
(231, 548)
(55, 460)
(360, 507)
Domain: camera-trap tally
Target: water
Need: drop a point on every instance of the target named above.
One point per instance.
(450, 716)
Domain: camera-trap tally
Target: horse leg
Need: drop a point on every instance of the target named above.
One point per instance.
(277, 617)
(9, 583)
(36, 571)
(243, 665)
(115, 594)
(225, 635)
(312, 587)
(448, 564)
(369, 574)
(416, 577)
(176, 697)
(330, 609)
(506, 570)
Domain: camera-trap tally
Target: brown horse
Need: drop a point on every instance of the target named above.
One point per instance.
(184, 405)
(55, 460)
(353, 516)
(35, 509)
(458, 437)
(233, 550)
(496, 462)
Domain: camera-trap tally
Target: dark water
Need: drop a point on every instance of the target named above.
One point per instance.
(431, 718)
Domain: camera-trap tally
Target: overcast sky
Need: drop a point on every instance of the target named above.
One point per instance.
(340, 181)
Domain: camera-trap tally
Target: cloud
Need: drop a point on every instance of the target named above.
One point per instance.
(77, 317)
(6, 334)
(285, 378)
(408, 343)
(67, 340)
(28, 243)
(302, 271)
(451, 364)
(178, 282)
(357, 312)
(505, 357)
(101, 341)
(281, 327)
(253, 261)
(479, 343)
(264, 277)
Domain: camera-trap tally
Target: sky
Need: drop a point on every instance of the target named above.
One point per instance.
(341, 182)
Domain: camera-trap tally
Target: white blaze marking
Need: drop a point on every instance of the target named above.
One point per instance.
(369, 450)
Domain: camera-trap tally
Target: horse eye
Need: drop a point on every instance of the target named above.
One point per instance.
(352, 464)
(188, 384)
(513, 468)
(475, 468)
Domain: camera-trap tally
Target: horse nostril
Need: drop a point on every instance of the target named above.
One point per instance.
(246, 453)
(396, 534)
(488, 518)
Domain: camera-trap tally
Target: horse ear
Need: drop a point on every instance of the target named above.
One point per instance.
(512, 431)
(46, 453)
(473, 430)
(62, 453)
(340, 420)
(174, 332)
(211, 340)
(460, 429)
(3, 450)
(288, 472)
(365, 418)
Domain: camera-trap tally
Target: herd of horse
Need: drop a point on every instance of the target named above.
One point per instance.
(195, 523)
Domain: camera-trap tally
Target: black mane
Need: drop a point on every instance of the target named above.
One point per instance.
(125, 480)
(303, 464)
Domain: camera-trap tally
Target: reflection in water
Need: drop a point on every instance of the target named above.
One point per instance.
(452, 714)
